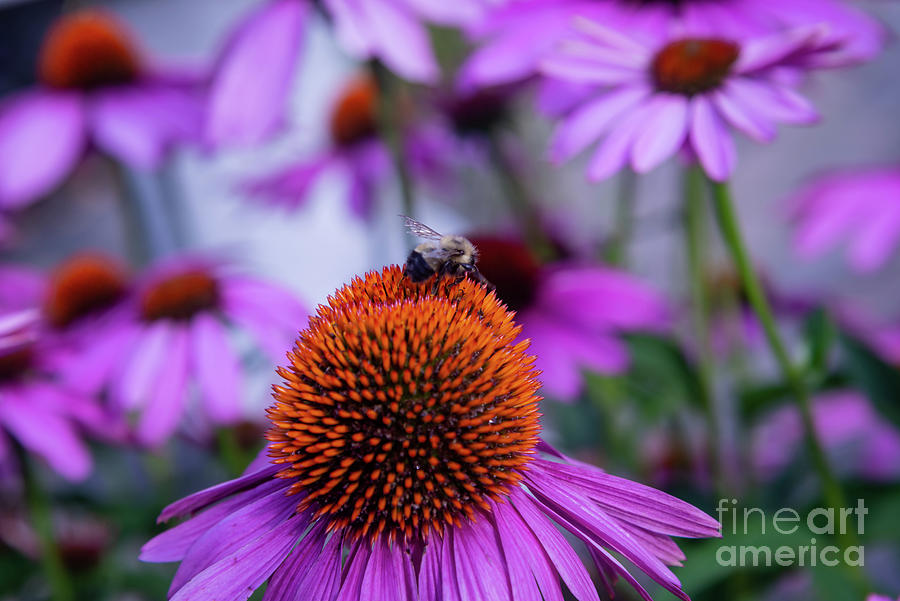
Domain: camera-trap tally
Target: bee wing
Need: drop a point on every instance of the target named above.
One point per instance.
(419, 229)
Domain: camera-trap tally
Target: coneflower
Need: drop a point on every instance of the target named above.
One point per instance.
(405, 462)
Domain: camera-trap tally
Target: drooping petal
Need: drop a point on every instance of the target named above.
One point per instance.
(481, 570)
(217, 369)
(250, 90)
(165, 402)
(311, 573)
(42, 136)
(210, 495)
(394, 35)
(530, 572)
(585, 125)
(139, 372)
(235, 577)
(711, 140)
(662, 134)
(139, 124)
(45, 433)
(561, 554)
(236, 530)
(174, 543)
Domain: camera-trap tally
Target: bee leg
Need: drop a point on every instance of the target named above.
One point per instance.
(471, 271)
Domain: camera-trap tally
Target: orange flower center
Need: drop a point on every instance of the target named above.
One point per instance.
(87, 50)
(694, 65)
(81, 286)
(405, 407)
(353, 118)
(511, 267)
(181, 296)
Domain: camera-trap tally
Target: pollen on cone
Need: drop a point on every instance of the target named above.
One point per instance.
(405, 407)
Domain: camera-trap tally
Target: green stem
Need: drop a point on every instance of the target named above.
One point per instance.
(695, 228)
(391, 129)
(617, 250)
(42, 520)
(518, 199)
(725, 213)
(230, 451)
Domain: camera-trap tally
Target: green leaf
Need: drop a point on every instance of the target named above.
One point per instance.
(662, 373)
(820, 334)
(877, 379)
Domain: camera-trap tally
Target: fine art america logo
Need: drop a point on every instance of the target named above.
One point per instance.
(821, 521)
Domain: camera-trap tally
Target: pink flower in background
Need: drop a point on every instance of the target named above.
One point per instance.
(177, 337)
(252, 83)
(880, 598)
(572, 314)
(354, 149)
(858, 441)
(860, 208)
(96, 91)
(518, 34)
(687, 92)
(42, 416)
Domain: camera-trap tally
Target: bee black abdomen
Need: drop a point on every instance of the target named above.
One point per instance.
(417, 268)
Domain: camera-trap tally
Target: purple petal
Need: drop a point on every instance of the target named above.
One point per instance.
(292, 187)
(430, 576)
(235, 577)
(217, 369)
(629, 501)
(208, 496)
(711, 140)
(573, 509)
(397, 37)
(355, 569)
(592, 120)
(90, 370)
(164, 406)
(876, 240)
(311, 573)
(44, 432)
(450, 590)
(480, 565)
(239, 528)
(561, 554)
(137, 125)
(514, 538)
(174, 543)
(250, 91)
(771, 102)
(613, 153)
(42, 136)
(743, 118)
(604, 298)
(388, 576)
(141, 367)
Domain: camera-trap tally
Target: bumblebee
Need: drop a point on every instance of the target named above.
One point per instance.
(442, 255)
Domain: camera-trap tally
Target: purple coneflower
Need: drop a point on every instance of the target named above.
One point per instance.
(572, 314)
(40, 414)
(519, 33)
(685, 92)
(95, 90)
(859, 442)
(405, 463)
(861, 207)
(248, 103)
(354, 147)
(173, 332)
